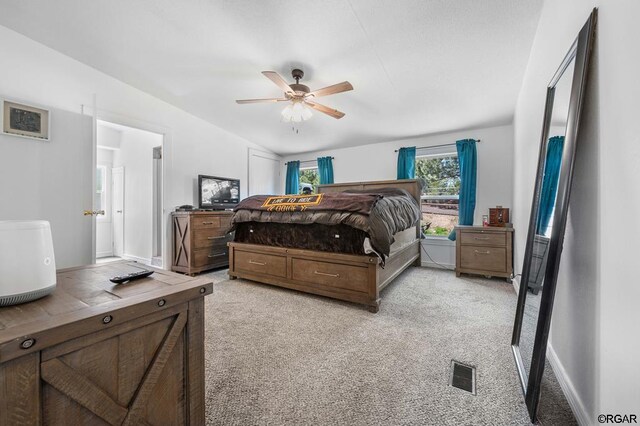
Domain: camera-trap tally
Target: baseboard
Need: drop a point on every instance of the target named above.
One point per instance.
(569, 390)
(515, 281)
(104, 254)
(142, 260)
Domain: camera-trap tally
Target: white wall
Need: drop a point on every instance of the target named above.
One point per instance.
(379, 162)
(36, 73)
(104, 231)
(595, 317)
(136, 156)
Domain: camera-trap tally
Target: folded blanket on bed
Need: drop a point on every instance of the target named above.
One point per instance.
(380, 213)
(356, 203)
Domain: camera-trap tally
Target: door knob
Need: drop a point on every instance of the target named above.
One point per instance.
(118, 211)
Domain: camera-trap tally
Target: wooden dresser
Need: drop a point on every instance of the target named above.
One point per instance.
(200, 240)
(484, 251)
(94, 352)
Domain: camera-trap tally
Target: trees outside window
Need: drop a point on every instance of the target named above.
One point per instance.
(309, 178)
(441, 174)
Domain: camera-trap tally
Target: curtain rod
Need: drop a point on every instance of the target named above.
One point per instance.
(439, 146)
(309, 161)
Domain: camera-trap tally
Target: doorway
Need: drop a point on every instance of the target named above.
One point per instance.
(129, 191)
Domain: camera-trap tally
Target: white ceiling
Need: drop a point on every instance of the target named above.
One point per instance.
(417, 66)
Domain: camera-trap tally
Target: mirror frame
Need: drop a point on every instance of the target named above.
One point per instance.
(580, 51)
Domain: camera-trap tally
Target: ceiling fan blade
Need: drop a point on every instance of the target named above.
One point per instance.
(325, 109)
(345, 86)
(279, 81)
(255, 101)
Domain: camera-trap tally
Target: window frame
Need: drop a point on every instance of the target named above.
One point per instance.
(423, 197)
(314, 166)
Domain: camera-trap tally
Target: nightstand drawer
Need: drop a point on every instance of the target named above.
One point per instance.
(483, 238)
(483, 258)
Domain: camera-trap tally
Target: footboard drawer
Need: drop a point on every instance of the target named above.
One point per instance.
(260, 263)
(348, 277)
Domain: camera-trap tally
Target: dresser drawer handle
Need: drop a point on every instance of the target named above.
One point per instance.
(216, 238)
(207, 223)
(482, 252)
(253, 262)
(217, 255)
(327, 275)
(480, 238)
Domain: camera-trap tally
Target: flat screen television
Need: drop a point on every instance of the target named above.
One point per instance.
(216, 193)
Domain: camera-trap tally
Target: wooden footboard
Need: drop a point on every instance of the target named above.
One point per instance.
(352, 278)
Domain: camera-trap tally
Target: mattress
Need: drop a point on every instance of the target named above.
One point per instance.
(329, 238)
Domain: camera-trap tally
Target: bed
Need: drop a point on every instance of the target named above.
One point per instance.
(334, 260)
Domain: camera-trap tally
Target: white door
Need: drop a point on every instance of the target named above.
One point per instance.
(264, 173)
(117, 185)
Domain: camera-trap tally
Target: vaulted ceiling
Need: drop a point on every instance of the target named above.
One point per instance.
(417, 66)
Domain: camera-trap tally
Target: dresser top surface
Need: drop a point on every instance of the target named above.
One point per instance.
(86, 291)
(472, 228)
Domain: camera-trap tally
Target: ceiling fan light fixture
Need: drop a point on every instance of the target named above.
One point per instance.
(296, 113)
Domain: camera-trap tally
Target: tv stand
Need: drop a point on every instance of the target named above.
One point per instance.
(200, 240)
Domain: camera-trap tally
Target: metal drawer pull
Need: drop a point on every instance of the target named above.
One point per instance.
(207, 223)
(216, 255)
(253, 262)
(216, 238)
(480, 238)
(482, 252)
(327, 275)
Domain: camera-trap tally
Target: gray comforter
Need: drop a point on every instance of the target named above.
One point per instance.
(395, 211)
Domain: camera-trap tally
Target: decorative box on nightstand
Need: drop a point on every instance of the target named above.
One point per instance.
(484, 251)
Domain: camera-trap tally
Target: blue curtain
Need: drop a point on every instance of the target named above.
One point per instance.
(468, 160)
(550, 183)
(407, 163)
(325, 170)
(293, 177)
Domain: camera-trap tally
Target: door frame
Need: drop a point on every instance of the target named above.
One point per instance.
(113, 212)
(167, 152)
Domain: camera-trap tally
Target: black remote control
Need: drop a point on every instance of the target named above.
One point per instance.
(130, 277)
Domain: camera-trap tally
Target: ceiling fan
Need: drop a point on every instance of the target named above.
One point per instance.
(300, 97)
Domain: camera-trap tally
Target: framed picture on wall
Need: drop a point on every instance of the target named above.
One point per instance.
(25, 120)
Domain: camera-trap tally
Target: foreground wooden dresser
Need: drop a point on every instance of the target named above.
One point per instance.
(96, 353)
(200, 240)
(485, 251)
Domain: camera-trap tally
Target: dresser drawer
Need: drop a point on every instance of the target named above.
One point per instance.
(210, 237)
(260, 263)
(205, 222)
(484, 258)
(331, 274)
(218, 254)
(483, 238)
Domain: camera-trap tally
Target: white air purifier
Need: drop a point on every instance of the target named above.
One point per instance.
(27, 265)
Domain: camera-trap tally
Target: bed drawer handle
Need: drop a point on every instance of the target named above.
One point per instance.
(327, 275)
(253, 262)
(207, 223)
(482, 252)
(480, 238)
(217, 255)
(216, 238)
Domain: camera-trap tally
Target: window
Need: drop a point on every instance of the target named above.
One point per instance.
(309, 178)
(441, 172)
(101, 192)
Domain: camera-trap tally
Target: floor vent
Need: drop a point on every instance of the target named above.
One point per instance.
(463, 377)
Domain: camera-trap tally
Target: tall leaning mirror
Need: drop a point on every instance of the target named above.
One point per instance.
(560, 133)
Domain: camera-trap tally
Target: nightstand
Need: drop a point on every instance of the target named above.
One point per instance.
(484, 251)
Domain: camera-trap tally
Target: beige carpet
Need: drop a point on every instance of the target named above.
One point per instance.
(275, 356)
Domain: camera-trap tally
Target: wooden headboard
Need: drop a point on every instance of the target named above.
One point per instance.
(412, 186)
